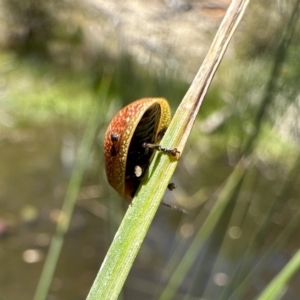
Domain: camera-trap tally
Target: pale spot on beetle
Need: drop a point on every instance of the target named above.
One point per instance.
(138, 171)
(128, 131)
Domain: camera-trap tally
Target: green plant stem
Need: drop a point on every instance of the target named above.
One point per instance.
(259, 265)
(128, 239)
(277, 285)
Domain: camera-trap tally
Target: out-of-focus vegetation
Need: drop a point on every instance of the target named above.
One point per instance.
(54, 55)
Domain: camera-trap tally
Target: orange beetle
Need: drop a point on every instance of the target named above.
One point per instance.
(130, 140)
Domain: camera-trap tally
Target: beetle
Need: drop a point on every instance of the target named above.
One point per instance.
(130, 140)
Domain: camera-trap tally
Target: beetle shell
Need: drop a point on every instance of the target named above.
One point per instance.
(143, 121)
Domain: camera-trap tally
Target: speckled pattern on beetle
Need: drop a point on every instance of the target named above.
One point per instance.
(143, 121)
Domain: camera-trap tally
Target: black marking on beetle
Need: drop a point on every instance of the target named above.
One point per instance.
(113, 150)
(115, 146)
(114, 137)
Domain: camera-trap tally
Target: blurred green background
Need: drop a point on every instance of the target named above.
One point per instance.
(57, 58)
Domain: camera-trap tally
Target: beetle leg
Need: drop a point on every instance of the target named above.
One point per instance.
(172, 151)
(174, 207)
(171, 186)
